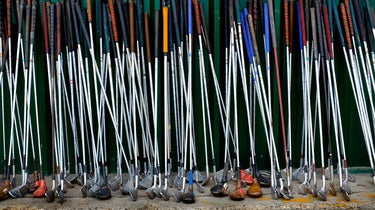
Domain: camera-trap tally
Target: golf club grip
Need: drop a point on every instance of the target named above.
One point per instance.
(272, 23)
(52, 29)
(111, 38)
(254, 39)
(197, 17)
(349, 15)
(1, 16)
(369, 10)
(105, 28)
(314, 32)
(359, 20)
(80, 19)
(230, 14)
(157, 28)
(372, 16)
(140, 23)
(20, 17)
(302, 17)
(204, 26)
(58, 27)
(113, 19)
(69, 25)
(33, 20)
(175, 19)
(237, 8)
(369, 28)
(346, 27)
(190, 18)
(122, 22)
(338, 25)
(72, 9)
(27, 39)
(327, 30)
(147, 33)
(226, 26)
(248, 37)
(330, 17)
(355, 26)
(100, 19)
(291, 22)
(45, 27)
(165, 29)
(255, 14)
(266, 28)
(319, 27)
(9, 12)
(307, 20)
(299, 26)
(89, 11)
(286, 22)
(131, 23)
(243, 25)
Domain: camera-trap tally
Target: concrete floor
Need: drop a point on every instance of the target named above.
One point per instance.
(363, 197)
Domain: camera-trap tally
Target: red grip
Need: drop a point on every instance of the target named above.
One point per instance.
(89, 13)
(45, 27)
(113, 19)
(302, 22)
(9, 11)
(197, 17)
(286, 22)
(327, 30)
(346, 27)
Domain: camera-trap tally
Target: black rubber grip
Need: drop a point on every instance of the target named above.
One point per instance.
(359, 19)
(204, 26)
(157, 31)
(99, 18)
(314, 32)
(123, 26)
(140, 22)
(369, 32)
(75, 23)
(307, 19)
(83, 26)
(20, 16)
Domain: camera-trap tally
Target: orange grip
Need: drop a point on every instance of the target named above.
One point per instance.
(147, 34)
(346, 27)
(131, 22)
(89, 13)
(113, 19)
(349, 15)
(9, 33)
(197, 17)
(165, 29)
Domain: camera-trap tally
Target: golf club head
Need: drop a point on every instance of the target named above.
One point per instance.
(150, 192)
(345, 194)
(50, 196)
(134, 194)
(219, 175)
(302, 189)
(274, 193)
(79, 179)
(263, 180)
(157, 191)
(42, 189)
(146, 182)
(332, 189)
(60, 194)
(219, 190)
(177, 195)
(351, 177)
(254, 191)
(284, 194)
(322, 194)
(72, 178)
(328, 173)
(32, 187)
(68, 184)
(95, 187)
(103, 193)
(296, 173)
(114, 183)
(206, 181)
(314, 190)
(189, 197)
(177, 181)
(345, 186)
(125, 190)
(18, 192)
(245, 177)
(199, 187)
(238, 194)
(84, 190)
(164, 194)
(3, 193)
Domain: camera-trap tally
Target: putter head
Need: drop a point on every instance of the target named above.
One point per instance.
(238, 194)
(42, 189)
(254, 191)
(18, 192)
(150, 192)
(50, 196)
(220, 190)
(103, 193)
(177, 195)
(189, 197)
(332, 189)
(164, 194)
(322, 194)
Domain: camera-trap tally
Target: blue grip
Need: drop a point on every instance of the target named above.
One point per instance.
(244, 13)
(190, 18)
(338, 24)
(266, 28)
(299, 26)
(190, 177)
(245, 35)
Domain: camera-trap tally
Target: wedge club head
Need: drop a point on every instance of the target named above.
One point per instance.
(322, 194)
(150, 193)
(345, 194)
(302, 189)
(164, 194)
(274, 193)
(114, 183)
(60, 194)
(332, 189)
(177, 195)
(134, 194)
(146, 182)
